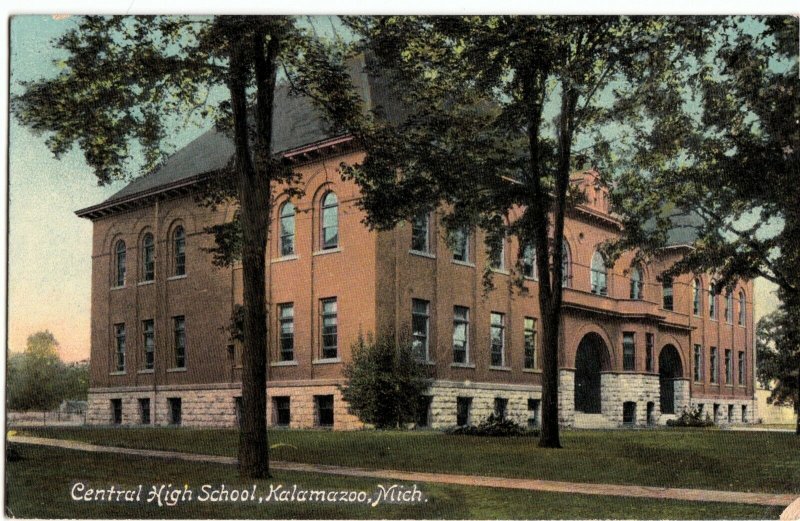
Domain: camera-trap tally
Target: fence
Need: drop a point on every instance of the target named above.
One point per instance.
(44, 418)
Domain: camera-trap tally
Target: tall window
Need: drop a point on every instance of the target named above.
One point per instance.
(636, 283)
(666, 294)
(287, 229)
(741, 367)
(628, 351)
(420, 320)
(149, 343)
(461, 245)
(529, 261)
(148, 257)
(119, 359)
(460, 335)
(330, 221)
(179, 243)
(420, 233)
(180, 341)
(120, 253)
(498, 340)
(599, 274)
(497, 257)
(729, 307)
(697, 288)
(286, 331)
(530, 343)
(698, 363)
(648, 341)
(566, 266)
(712, 303)
(728, 366)
(329, 327)
(742, 308)
(714, 366)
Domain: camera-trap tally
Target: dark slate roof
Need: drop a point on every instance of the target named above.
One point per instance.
(296, 124)
(684, 230)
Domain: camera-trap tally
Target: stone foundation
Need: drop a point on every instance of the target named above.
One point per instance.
(444, 396)
(618, 388)
(722, 411)
(566, 397)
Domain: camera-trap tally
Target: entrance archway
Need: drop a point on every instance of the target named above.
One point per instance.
(669, 368)
(590, 359)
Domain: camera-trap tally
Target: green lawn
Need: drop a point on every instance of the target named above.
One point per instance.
(712, 459)
(39, 486)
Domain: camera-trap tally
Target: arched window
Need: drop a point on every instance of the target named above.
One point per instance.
(697, 290)
(179, 245)
(566, 266)
(287, 214)
(529, 261)
(330, 221)
(666, 294)
(636, 283)
(148, 257)
(599, 274)
(712, 302)
(729, 307)
(742, 308)
(119, 256)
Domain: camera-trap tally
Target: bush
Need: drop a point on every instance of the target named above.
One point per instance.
(693, 418)
(492, 426)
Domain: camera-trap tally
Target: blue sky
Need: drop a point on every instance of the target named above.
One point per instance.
(49, 247)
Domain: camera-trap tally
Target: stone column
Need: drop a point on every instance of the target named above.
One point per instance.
(566, 397)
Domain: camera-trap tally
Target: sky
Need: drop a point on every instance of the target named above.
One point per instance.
(49, 248)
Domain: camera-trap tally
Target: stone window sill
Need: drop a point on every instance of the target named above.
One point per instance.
(463, 263)
(328, 251)
(285, 258)
(501, 271)
(146, 282)
(117, 373)
(284, 363)
(145, 371)
(499, 368)
(322, 361)
(177, 277)
(176, 370)
(463, 366)
(425, 254)
(117, 288)
(534, 371)
(526, 277)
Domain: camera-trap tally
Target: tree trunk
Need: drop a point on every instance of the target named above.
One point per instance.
(254, 207)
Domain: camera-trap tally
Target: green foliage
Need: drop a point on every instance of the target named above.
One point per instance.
(38, 380)
(385, 382)
(691, 418)
(493, 426)
(778, 356)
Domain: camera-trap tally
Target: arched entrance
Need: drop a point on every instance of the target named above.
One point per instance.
(669, 368)
(590, 359)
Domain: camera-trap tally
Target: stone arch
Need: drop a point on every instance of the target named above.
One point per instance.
(591, 358)
(572, 342)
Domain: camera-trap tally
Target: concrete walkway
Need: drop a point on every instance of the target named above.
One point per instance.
(684, 494)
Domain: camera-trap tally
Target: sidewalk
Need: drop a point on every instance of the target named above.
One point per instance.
(684, 494)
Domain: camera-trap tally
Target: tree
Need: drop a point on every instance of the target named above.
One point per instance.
(385, 383)
(494, 107)
(778, 358)
(126, 80)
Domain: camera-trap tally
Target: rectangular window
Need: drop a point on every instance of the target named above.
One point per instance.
(144, 411)
(237, 410)
(712, 304)
(716, 412)
(281, 411)
(497, 258)
(628, 351)
(648, 338)
(424, 411)
(498, 340)
(420, 233)
(530, 343)
(324, 406)
(460, 241)
(329, 327)
(729, 307)
(180, 341)
(149, 343)
(666, 292)
(741, 368)
(463, 409)
(500, 407)
(744, 414)
(420, 320)
(119, 358)
(533, 413)
(728, 366)
(698, 363)
(116, 411)
(174, 410)
(460, 335)
(714, 366)
(286, 331)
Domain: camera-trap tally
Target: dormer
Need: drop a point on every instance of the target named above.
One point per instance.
(594, 189)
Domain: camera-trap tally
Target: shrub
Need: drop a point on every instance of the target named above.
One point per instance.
(691, 418)
(492, 426)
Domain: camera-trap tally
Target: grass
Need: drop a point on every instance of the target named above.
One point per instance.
(39, 486)
(686, 458)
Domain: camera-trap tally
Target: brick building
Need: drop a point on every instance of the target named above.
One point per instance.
(633, 350)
